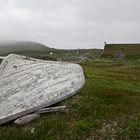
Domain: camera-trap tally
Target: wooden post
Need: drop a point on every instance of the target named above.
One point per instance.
(51, 109)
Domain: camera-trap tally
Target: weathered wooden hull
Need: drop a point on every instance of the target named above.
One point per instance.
(27, 85)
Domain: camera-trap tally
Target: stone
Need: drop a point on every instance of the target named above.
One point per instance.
(26, 119)
(28, 85)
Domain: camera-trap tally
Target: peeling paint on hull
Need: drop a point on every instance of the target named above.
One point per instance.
(27, 85)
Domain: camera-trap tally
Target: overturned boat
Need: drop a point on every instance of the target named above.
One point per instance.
(28, 85)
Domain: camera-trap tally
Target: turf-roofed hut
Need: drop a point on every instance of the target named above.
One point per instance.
(121, 51)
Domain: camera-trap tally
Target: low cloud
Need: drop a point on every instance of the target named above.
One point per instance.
(70, 24)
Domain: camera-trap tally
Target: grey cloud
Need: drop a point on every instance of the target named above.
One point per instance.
(70, 23)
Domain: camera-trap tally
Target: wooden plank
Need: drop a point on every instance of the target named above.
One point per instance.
(51, 109)
(30, 117)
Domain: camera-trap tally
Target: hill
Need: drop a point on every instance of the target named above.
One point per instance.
(22, 46)
(129, 50)
(38, 50)
(26, 48)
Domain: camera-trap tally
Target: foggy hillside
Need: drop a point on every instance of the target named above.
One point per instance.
(22, 47)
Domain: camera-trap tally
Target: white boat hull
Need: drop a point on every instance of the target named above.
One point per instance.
(27, 85)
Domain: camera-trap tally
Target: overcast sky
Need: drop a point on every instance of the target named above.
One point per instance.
(70, 23)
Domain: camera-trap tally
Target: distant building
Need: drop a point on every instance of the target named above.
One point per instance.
(121, 51)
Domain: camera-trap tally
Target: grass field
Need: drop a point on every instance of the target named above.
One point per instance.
(107, 107)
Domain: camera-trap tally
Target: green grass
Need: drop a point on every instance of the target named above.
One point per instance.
(107, 107)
